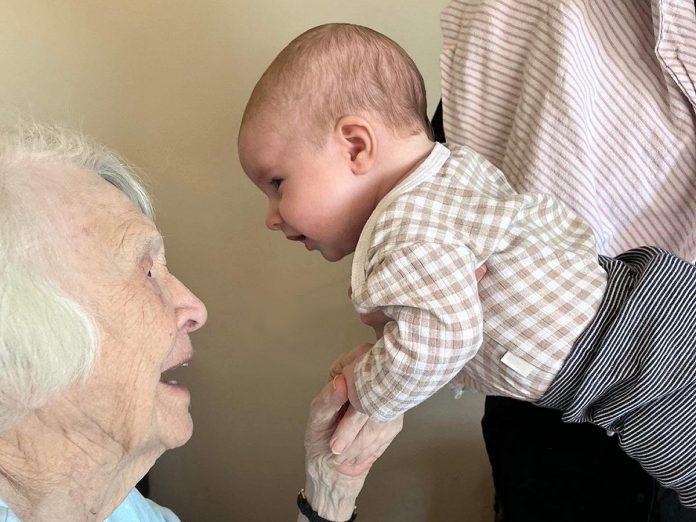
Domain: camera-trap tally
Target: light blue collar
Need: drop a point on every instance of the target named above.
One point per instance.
(6, 514)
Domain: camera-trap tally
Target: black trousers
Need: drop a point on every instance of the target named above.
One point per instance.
(545, 470)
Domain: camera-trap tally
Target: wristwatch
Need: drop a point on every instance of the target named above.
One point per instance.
(312, 515)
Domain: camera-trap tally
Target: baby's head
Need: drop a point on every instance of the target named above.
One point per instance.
(310, 132)
(336, 70)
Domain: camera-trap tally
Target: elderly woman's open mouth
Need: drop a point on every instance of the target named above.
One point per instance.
(170, 376)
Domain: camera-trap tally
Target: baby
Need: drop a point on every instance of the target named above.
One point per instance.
(336, 135)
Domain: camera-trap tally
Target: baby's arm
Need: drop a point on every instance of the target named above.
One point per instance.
(374, 437)
(430, 292)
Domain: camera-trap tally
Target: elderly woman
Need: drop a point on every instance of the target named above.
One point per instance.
(91, 325)
(91, 321)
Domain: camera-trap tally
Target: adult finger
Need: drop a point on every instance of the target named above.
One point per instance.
(326, 407)
(371, 441)
(347, 430)
(337, 365)
(356, 467)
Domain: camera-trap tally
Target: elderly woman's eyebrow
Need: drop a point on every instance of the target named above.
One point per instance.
(140, 239)
(150, 244)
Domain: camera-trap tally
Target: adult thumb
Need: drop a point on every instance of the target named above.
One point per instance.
(340, 390)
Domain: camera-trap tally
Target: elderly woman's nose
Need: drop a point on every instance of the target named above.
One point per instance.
(191, 313)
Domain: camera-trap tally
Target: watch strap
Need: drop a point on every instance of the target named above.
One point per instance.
(307, 510)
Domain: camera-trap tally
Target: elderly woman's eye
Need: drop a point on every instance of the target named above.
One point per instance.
(149, 273)
(276, 182)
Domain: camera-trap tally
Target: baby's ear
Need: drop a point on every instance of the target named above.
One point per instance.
(358, 141)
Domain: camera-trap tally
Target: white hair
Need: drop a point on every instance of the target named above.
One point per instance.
(47, 339)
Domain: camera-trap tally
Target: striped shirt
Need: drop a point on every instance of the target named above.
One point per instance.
(415, 261)
(633, 370)
(589, 100)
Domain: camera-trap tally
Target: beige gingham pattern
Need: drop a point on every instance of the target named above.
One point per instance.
(416, 260)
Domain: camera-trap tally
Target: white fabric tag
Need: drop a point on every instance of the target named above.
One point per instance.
(517, 364)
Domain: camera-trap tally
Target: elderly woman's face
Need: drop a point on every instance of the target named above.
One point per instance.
(144, 313)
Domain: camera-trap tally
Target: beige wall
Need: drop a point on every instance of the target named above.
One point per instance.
(165, 83)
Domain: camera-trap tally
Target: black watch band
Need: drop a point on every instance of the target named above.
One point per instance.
(312, 515)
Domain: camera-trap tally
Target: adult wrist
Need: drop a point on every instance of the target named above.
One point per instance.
(308, 513)
(332, 494)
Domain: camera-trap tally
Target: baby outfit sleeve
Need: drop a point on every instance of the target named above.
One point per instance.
(431, 293)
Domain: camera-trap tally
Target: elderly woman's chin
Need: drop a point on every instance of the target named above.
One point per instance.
(173, 416)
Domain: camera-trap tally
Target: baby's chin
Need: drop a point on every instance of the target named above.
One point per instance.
(333, 255)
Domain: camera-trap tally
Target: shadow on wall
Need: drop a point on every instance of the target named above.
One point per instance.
(444, 481)
(455, 487)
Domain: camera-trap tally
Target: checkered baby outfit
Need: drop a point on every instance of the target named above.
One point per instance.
(416, 259)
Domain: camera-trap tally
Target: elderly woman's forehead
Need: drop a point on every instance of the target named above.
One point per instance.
(91, 206)
(71, 188)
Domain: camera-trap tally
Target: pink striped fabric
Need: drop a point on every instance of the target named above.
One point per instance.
(589, 100)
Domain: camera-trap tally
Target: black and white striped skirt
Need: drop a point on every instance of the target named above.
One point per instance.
(633, 370)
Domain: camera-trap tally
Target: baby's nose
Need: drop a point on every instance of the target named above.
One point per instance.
(273, 219)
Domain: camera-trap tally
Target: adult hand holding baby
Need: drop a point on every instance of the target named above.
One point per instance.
(357, 440)
(330, 489)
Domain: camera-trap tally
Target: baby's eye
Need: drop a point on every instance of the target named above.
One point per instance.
(276, 182)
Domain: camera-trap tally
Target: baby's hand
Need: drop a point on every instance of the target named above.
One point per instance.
(346, 358)
(377, 321)
(349, 375)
